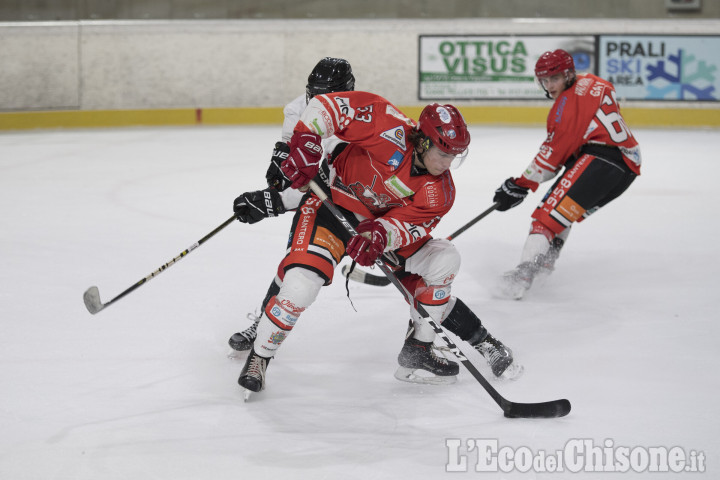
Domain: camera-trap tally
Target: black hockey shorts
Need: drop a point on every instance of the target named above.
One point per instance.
(597, 177)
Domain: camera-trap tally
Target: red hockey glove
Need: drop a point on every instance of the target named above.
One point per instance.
(303, 162)
(369, 243)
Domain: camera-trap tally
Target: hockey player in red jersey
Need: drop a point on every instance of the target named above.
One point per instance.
(588, 138)
(392, 181)
(330, 75)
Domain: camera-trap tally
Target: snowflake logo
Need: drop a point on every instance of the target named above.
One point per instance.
(683, 83)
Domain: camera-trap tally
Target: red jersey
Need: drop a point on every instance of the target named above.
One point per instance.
(374, 176)
(587, 112)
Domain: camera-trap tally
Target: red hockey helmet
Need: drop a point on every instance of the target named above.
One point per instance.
(557, 61)
(445, 127)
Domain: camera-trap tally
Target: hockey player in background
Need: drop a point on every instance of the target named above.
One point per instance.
(588, 140)
(392, 181)
(417, 364)
(328, 76)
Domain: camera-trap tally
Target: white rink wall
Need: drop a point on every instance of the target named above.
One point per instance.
(117, 65)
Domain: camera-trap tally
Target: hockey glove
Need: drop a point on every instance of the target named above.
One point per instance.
(369, 243)
(251, 207)
(303, 162)
(274, 175)
(509, 195)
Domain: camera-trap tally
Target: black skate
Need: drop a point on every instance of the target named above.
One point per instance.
(252, 376)
(243, 341)
(500, 358)
(420, 364)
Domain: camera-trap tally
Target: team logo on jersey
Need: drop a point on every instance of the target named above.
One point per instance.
(395, 135)
(375, 202)
(396, 160)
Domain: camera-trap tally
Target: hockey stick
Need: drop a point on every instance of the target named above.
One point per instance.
(381, 280)
(91, 297)
(551, 409)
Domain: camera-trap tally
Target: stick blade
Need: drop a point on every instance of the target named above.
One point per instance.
(552, 409)
(91, 297)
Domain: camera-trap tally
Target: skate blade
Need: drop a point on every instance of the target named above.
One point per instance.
(424, 378)
(233, 354)
(506, 288)
(246, 394)
(513, 372)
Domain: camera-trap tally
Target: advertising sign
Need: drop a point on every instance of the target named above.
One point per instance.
(647, 67)
(491, 67)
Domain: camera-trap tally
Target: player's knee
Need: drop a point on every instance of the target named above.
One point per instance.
(300, 287)
(438, 262)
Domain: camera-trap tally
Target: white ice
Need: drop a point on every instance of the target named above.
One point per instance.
(624, 328)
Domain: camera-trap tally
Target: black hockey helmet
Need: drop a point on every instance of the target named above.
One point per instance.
(330, 75)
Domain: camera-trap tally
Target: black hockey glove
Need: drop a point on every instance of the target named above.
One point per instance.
(509, 195)
(251, 207)
(274, 176)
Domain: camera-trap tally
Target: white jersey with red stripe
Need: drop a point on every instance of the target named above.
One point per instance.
(374, 176)
(585, 113)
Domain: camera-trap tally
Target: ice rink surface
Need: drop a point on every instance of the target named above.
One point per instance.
(627, 328)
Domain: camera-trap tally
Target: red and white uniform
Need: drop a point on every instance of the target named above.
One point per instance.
(374, 176)
(585, 113)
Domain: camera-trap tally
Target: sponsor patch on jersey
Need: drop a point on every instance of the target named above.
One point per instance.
(433, 194)
(397, 187)
(560, 109)
(396, 160)
(632, 154)
(347, 113)
(397, 136)
(570, 209)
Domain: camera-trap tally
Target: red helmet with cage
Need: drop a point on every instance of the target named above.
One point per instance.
(557, 61)
(445, 127)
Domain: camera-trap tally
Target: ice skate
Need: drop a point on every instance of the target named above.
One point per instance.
(420, 364)
(252, 376)
(515, 283)
(546, 263)
(500, 358)
(242, 341)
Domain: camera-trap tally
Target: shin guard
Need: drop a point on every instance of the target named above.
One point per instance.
(464, 323)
